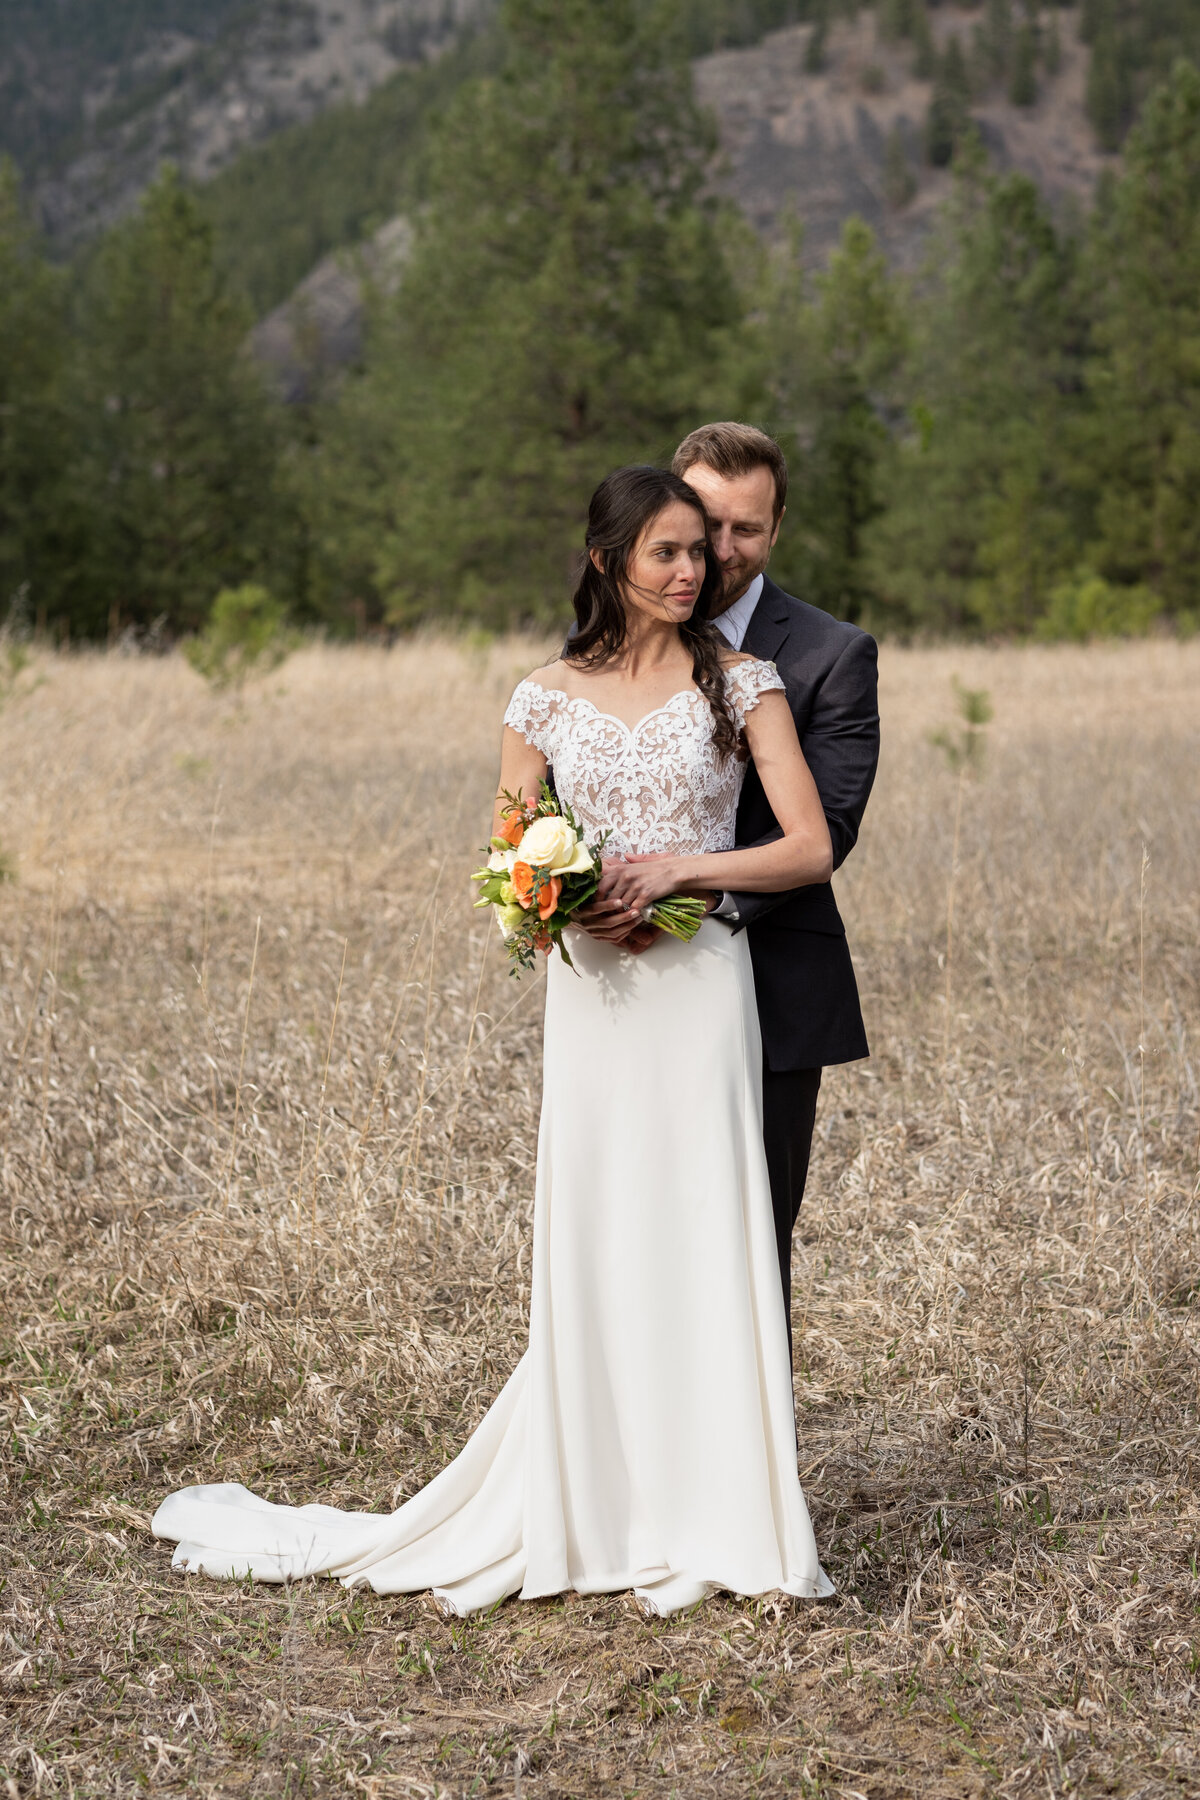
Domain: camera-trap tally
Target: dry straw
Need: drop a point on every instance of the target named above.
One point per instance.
(268, 1132)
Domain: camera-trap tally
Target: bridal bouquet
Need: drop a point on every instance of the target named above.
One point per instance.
(540, 870)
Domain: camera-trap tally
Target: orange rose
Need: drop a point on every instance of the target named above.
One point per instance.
(513, 829)
(548, 898)
(522, 880)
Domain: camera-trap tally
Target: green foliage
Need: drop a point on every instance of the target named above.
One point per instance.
(1109, 95)
(246, 634)
(329, 183)
(1008, 443)
(964, 744)
(1087, 606)
(54, 57)
(14, 660)
(836, 340)
(720, 24)
(34, 433)
(568, 306)
(1022, 82)
(949, 117)
(178, 475)
(1052, 53)
(1144, 265)
(979, 512)
(1134, 44)
(997, 38)
(924, 49)
(899, 181)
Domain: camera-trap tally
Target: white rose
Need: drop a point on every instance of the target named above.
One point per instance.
(551, 844)
(503, 859)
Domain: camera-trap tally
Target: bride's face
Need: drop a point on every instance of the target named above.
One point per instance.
(666, 569)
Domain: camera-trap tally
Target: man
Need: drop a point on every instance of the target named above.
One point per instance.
(804, 981)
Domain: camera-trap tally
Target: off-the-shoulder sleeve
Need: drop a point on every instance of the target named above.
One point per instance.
(531, 712)
(746, 684)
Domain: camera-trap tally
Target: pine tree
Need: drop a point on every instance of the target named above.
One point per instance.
(35, 447)
(1052, 56)
(924, 49)
(998, 37)
(980, 515)
(1107, 99)
(568, 307)
(896, 19)
(818, 39)
(949, 107)
(1145, 269)
(837, 342)
(1022, 85)
(899, 182)
(175, 421)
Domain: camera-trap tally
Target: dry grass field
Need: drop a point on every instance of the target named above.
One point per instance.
(268, 1121)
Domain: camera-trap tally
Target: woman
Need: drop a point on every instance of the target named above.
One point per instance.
(646, 1440)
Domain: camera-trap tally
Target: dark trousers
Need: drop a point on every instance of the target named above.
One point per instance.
(789, 1114)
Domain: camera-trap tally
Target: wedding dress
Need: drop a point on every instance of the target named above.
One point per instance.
(646, 1439)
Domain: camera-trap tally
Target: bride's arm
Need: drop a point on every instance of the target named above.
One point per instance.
(522, 768)
(802, 855)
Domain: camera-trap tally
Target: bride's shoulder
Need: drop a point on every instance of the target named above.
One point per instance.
(747, 679)
(535, 702)
(742, 669)
(548, 677)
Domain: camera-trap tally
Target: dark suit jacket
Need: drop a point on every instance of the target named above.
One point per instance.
(807, 995)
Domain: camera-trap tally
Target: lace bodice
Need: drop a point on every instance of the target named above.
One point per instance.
(660, 785)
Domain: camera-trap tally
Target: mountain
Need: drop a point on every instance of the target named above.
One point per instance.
(823, 144)
(94, 97)
(796, 143)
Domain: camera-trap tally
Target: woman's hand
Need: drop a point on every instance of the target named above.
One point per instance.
(636, 882)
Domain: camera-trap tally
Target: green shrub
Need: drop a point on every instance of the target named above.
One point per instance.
(247, 633)
(1087, 606)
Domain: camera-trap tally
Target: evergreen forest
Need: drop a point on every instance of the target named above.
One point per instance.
(1005, 442)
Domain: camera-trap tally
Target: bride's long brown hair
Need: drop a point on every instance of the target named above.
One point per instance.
(621, 509)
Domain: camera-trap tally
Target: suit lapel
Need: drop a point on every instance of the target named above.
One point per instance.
(769, 624)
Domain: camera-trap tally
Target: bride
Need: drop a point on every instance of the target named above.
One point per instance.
(646, 1439)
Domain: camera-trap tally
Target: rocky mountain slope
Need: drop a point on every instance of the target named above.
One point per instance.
(816, 145)
(794, 144)
(93, 99)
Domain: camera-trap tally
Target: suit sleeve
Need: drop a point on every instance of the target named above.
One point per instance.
(841, 746)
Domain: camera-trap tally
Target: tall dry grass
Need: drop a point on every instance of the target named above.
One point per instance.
(268, 1134)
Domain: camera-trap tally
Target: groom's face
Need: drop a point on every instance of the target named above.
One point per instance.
(741, 509)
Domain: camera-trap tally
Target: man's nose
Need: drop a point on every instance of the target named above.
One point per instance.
(722, 544)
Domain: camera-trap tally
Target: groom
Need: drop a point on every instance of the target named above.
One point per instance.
(808, 1004)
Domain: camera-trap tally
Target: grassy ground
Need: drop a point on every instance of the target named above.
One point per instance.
(267, 1145)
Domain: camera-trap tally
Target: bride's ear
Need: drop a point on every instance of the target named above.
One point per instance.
(597, 559)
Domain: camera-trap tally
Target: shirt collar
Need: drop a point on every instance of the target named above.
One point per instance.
(734, 622)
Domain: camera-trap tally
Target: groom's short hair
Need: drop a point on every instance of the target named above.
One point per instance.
(732, 450)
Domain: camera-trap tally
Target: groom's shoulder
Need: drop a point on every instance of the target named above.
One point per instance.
(813, 627)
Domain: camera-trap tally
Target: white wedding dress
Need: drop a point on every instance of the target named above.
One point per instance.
(646, 1439)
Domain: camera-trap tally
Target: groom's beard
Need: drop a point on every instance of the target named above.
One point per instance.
(735, 581)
